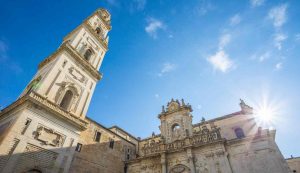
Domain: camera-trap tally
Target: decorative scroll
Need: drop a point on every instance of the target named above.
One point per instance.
(77, 75)
(180, 169)
(175, 106)
(49, 136)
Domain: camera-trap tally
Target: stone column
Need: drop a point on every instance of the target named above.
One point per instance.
(190, 160)
(163, 162)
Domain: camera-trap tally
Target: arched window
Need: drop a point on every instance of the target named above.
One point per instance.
(88, 54)
(175, 127)
(66, 101)
(239, 133)
(98, 31)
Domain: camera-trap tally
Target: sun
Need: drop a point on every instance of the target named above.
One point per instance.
(267, 112)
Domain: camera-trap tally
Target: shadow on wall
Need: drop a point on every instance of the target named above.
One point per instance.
(103, 157)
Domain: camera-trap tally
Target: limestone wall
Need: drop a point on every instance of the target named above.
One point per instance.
(294, 164)
(99, 157)
(36, 139)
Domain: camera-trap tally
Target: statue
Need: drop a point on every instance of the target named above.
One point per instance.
(245, 108)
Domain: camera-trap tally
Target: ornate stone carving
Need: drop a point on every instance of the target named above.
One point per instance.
(180, 169)
(49, 137)
(245, 108)
(173, 106)
(76, 74)
(206, 136)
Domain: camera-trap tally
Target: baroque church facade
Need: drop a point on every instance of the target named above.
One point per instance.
(46, 129)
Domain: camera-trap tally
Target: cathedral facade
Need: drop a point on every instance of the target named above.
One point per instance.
(46, 129)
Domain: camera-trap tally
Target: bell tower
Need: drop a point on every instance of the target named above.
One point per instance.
(176, 121)
(68, 77)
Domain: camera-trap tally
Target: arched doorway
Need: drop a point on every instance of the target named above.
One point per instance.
(180, 169)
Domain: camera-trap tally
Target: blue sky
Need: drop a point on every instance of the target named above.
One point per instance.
(211, 53)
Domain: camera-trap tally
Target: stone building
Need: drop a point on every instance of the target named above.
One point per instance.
(227, 144)
(294, 164)
(46, 129)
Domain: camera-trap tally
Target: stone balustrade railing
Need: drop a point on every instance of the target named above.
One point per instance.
(42, 100)
(203, 138)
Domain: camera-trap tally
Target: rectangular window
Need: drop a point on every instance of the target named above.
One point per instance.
(27, 123)
(78, 147)
(128, 156)
(111, 143)
(97, 136)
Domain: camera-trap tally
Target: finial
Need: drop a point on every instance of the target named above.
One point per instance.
(203, 119)
(182, 102)
(245, 108)
(163, 109)
(172, 100)
(153, 134)
(242, 103)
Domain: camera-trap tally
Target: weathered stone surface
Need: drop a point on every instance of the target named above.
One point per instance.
(294, 164)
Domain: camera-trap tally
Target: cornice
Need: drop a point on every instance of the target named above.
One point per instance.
(69, 49)
(106, 24)
(108, 130)
(48, 105)
(41, 101)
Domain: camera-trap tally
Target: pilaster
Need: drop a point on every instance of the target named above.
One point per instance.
(190, 160)
(163, 162)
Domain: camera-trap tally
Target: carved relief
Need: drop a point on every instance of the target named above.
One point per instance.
(180, 169)
(205, 137)
(201, 164)
(64, 87)
(49, 137)
(152, 165)
(76, 74)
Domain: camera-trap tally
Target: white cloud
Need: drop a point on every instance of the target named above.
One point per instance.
(278, 66)
(156, 96)
(278, 15)
(278, 39)
(224, 40)
(153, 26)
(256, 3)
(221, 61)
(167, 67)
(264, 56)
(236, 19)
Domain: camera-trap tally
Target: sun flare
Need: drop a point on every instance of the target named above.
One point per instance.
(267, 111)
(265, 114)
